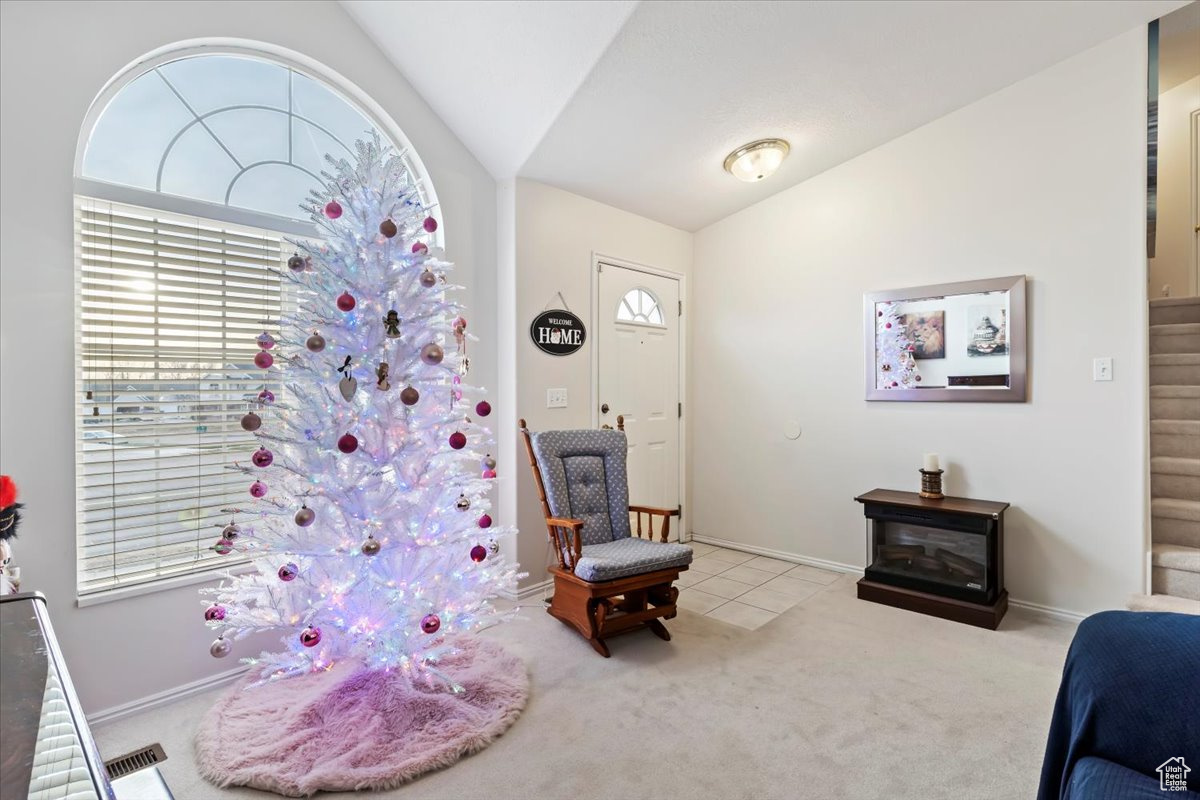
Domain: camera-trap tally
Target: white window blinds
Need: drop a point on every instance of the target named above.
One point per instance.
(168, 310)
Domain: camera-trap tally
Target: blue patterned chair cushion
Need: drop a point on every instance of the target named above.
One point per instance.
(585, 478)
(629, 556)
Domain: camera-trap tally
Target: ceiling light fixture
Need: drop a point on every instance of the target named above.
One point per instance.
(757, 160)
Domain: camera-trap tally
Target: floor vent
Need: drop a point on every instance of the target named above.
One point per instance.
(132, 762)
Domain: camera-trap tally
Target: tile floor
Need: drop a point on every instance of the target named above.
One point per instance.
(744, 589)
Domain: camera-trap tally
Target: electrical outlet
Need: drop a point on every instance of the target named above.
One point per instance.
(1102, 369)
(556, 398)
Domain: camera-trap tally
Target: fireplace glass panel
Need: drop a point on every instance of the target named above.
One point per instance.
(913, 554)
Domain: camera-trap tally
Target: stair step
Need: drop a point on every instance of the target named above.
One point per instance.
(1163, 602)
(1175, 392)
(1175, 438)
(1174, 402)
(1166, 465)
(1177, 478)
(1181, 337)
(1175, 556)
(1176, 509)
(1175, 582)
(1175, 521)
(1177, 427)
(1175, 369)
(1174, 310)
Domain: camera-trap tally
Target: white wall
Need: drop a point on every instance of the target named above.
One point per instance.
(54, 59)
(1044, 178)
(557, 234)
(1173, 264)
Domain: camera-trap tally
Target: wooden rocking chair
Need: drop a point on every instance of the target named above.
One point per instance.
(606, 582)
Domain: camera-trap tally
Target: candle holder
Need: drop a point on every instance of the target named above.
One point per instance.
(931, 484)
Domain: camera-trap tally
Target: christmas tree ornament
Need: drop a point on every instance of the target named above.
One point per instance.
(288, 572)
(315, 343)
(483, 408)
(420, 248)
(485, 521)
(348, 443)
(381, 377)
(263, 359)
(266, 397)
(223, 547)
(333, 209)
(346, 301)
(493, 546)
(296, 263)
(348, 385)
(458, 440)
(478, 553)
(388, 228)
(432, 354)
(462, 504)
(310, 636)
(231, 531)
(391, 325)
(489, 473)
(251, 422)
(409, 396)
(220, 648)
(214, 614)
(265, 340)
(370, 547)
(258, 489)
(262, 457)
(430, 224)
(430, 623)
(460, 326)
(305, 516)
(428, 279)
(488, 462)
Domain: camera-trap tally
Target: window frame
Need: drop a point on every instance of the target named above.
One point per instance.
(647, 323)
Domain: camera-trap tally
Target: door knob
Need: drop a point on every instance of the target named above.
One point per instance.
(604, 408)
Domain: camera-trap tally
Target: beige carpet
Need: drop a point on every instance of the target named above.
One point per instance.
(836, 698)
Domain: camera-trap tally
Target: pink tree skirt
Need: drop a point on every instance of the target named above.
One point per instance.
(350, 728)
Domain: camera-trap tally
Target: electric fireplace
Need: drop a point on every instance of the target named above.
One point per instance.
(943, 557)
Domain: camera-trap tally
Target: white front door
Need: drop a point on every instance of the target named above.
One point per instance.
(637, 353)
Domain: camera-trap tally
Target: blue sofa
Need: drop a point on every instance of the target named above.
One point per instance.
(1129, 704)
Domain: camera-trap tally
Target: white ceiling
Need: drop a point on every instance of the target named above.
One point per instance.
(636, 104)
(1178, 47)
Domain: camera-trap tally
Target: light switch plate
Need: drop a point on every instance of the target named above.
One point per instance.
(1102, 369)
(556, 398)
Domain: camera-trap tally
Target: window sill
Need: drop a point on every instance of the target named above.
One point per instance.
(152, 587)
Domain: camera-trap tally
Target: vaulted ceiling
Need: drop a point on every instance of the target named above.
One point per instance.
(636, 104)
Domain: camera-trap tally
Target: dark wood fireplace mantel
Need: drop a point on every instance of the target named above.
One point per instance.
(941, 557)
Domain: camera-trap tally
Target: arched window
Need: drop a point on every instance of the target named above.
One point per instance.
(189, 177)
(640, 306)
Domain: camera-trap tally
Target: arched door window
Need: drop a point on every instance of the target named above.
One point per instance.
(640, 306)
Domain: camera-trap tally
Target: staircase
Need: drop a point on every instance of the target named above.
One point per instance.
(1174, 456)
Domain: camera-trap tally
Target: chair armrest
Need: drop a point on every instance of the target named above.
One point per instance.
(666, 512)
(567, 552)
(652, 512)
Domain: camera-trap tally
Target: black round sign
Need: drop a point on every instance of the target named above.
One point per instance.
(557, 332)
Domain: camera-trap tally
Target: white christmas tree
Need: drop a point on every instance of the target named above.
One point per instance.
(367, 511)
(895, 362)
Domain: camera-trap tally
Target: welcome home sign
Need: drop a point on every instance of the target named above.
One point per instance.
(557, 332)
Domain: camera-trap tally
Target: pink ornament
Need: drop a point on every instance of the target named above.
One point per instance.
(223, 547)
(346, 301)
(430, 623)
(420, 248)
(263, 359)
(483, 408)
(265, 340)
(348, 443)
(333, 209)
(262, 457)
(266, 397)
(214, 614)
(258, 489)
(458, 440)
(288, 572)
(478, 553)
(460, 325)
(887, 324)
(310, 636)
(485, 521)
(489, 473)
(430, 224)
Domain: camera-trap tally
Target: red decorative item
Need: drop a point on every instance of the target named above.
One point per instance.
(214, 614)
(420, 248)
(478, 553)
(263, 359)
(8, 491)
(485, 521)
(252, 421)
(223, 547)
(346, 301)
(333, 209)
(489, 473)
(348, 443)
(262, 457)
(458, 440)
(310, 636)
(388, 228)
(430, 623)
(266, 397)
(430, 224)
(409, 396)
(258, 489)
(288, 572)
(483, 408)
(265, 340)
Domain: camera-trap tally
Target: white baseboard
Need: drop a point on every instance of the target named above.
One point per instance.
(165, 697)
(1037, 608)
(532, 590)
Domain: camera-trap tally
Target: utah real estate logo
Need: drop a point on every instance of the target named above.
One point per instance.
(1172, 775)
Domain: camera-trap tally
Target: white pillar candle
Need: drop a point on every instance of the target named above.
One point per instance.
(931, 462)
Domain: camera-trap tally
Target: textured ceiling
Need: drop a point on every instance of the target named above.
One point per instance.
(636, 104)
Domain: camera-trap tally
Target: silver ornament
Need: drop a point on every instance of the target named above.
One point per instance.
(428, 279)
(305, 516)
(219, 648)
(432, 354)
(370, 547)
(463, 503)
(315, 343)
(348, 386)
(489, 463)
(493, 546)
(230, 531)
